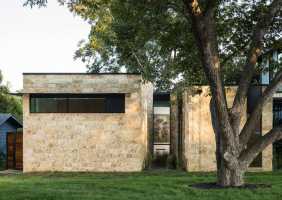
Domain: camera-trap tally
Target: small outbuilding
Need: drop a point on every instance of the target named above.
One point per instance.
(8, 124)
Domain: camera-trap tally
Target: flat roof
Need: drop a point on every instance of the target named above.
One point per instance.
(77, 73)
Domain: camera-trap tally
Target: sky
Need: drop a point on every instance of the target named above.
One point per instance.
(38, 40)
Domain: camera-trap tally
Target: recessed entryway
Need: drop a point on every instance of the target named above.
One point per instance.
(161, 132)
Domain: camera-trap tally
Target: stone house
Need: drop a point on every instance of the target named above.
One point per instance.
(86, 122)
(114, 122)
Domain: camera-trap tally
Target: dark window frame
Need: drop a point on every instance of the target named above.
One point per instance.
(107, 96)
(253, 95)
(277, 121)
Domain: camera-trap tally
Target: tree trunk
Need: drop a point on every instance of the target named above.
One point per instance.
(229, 178)
(233, 158)
(225, 176)
(237, 177)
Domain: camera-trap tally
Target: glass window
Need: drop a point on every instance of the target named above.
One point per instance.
(115, 104)
(49, 105)
(87, 105)
(77, 103)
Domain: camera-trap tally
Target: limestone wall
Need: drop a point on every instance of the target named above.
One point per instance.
(198, 137)
(147, 91)
(175, 126)
(85, 83)
(197, 133)
(87, 141)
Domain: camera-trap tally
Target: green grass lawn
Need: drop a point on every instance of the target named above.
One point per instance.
(152, 185)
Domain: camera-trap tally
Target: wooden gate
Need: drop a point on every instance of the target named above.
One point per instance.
(15, 151)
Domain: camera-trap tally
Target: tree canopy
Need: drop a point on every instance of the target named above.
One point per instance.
(8, 103)
(153, 37)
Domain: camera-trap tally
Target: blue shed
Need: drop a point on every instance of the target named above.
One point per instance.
(8, 123)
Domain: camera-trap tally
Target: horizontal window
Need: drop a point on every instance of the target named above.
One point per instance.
(77, 103)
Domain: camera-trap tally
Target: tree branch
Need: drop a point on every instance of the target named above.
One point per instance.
(138, 61)
(248, 155)
(39, 3)
(250, 125)
(204, 30)
(253, 54)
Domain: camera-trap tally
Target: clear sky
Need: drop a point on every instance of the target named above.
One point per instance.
(38, 40)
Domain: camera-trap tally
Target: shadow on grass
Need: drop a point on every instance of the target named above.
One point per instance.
(213, 185)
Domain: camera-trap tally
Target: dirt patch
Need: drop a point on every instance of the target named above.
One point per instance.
(210, 186)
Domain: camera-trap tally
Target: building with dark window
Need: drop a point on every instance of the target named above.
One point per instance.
(86, 122)
(114, 122)
(270, 59)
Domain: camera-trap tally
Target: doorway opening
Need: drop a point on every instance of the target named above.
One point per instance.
(161, 131)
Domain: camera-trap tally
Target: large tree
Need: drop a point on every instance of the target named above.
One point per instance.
(236, 156)
(176, 39)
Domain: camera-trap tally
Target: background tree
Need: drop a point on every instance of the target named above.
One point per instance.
(152, 37)
(9, 103)
(191, 41)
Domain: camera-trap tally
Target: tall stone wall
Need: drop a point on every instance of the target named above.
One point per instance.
(147, 91)
(87, 141)
(198, 138)
(175, 132)
(197, 132)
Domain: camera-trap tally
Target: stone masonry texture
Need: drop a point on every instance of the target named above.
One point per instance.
(198, 145)
(87, 141)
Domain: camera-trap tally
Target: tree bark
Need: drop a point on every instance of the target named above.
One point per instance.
(225, 176)
(233, 157)
(223, 173)
(237, 177)
(203, 26)
(248, 155)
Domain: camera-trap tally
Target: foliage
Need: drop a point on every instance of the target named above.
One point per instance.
(153, 37)
(146, 37)
(9, 103)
